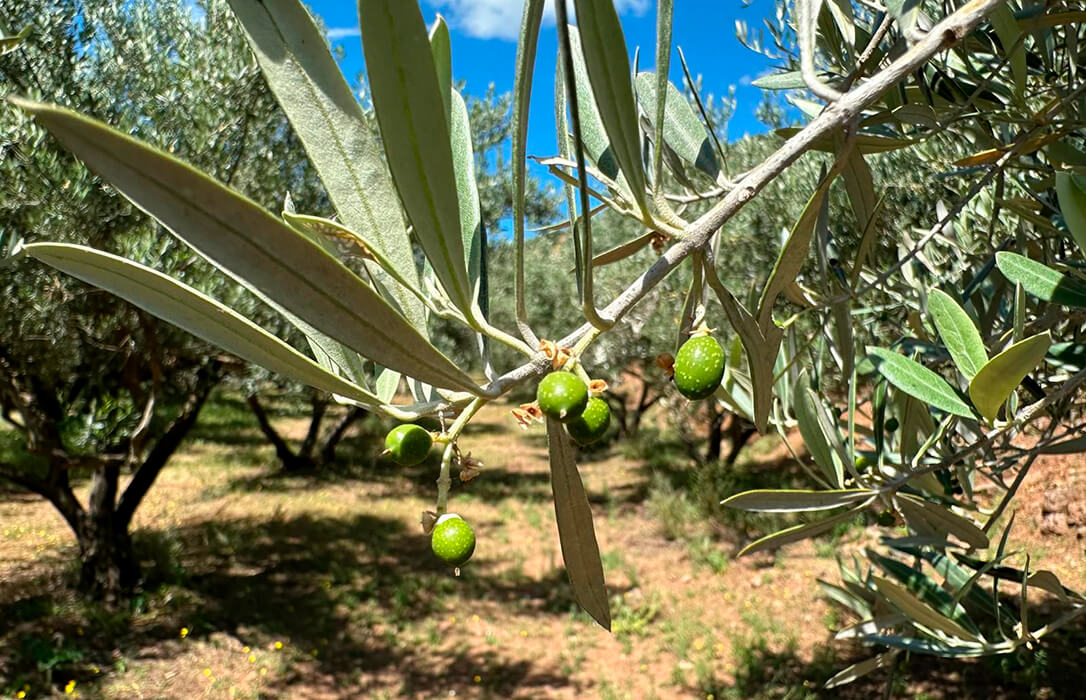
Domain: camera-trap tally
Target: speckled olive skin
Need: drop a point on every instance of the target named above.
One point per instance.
(699, 367)
(562, 396)
(452, 540)
(591, 425)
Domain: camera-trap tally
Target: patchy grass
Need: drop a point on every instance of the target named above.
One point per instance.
(264, 585)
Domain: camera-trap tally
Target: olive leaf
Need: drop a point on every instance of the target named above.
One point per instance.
(1003, 373)
(917, 611)
(576, 533)
(959, 333)
(197, 313)
(918, 381)
(794, 501)
(441, 50)
(800, 532)
(404, 88)
(240, 236)
(604, 50)
(1072, 201)
(861, 669)
(1042, 281)
(682, 129)
(300, 70)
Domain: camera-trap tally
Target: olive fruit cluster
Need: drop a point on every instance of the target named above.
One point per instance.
(699, 367)
(563, 396)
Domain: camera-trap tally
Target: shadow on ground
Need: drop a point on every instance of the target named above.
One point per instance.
(344, 587)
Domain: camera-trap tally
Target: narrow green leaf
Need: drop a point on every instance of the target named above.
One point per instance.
(859, 605)
(792, 256)
(1073, 207)
(623, 250)
(922, 585)
(608, 68)
(576, 533)
(800, 532)
(1003, 373)
(918, 381)
(794, 501)
(788, 80)
(665, 10)
(865, 143)
(324, 113)
(942, 521)
(404, 88)
(958, 332)
(1042, 281)
(1008, 31)
(805, 410)
(861, 669)
(194, 312)
(467, 193)
(842, 17)
(683, 131)
(927, 646)
(240, 236)
(522, 95)
(916, 610)
(441, 50)
(596, 142)
(860, 186)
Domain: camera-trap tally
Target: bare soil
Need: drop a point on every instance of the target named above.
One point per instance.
(322, 586)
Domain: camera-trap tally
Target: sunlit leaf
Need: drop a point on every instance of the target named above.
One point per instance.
(918, 381)
(794, 501)
(861, 669)
(916, 610)
(941, 520)
(605, 57)
(683, 130)
(240, 236)
(1042, 281)
(404, 87)
(329, 121)
(959, 333)
(799, 532)
(441, 50)
(1003, 373)
(194, 312)
(805, 408)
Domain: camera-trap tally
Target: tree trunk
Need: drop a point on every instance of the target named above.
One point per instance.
(739, 433)
(289, 461)
(108, 568)
(327, 451)
(716, 422)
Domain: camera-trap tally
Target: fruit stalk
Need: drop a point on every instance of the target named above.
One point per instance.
(444, 480)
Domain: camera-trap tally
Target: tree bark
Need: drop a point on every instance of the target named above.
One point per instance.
(328, 446)
(287, 459)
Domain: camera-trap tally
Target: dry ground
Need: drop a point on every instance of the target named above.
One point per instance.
(264, 586)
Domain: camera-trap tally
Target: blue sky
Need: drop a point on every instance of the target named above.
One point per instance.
(484, 48)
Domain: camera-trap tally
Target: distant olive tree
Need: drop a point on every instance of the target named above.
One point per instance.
(96, 387)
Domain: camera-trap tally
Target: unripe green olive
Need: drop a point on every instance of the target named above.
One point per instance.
(699, 367)
(591, 425)
(408, 444)
(452, 539)
(562, 396)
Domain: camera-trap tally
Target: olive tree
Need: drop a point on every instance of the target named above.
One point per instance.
(933, 395)
(94, 387)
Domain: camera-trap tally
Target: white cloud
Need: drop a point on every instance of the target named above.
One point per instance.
(336, 33)
(500, 19)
